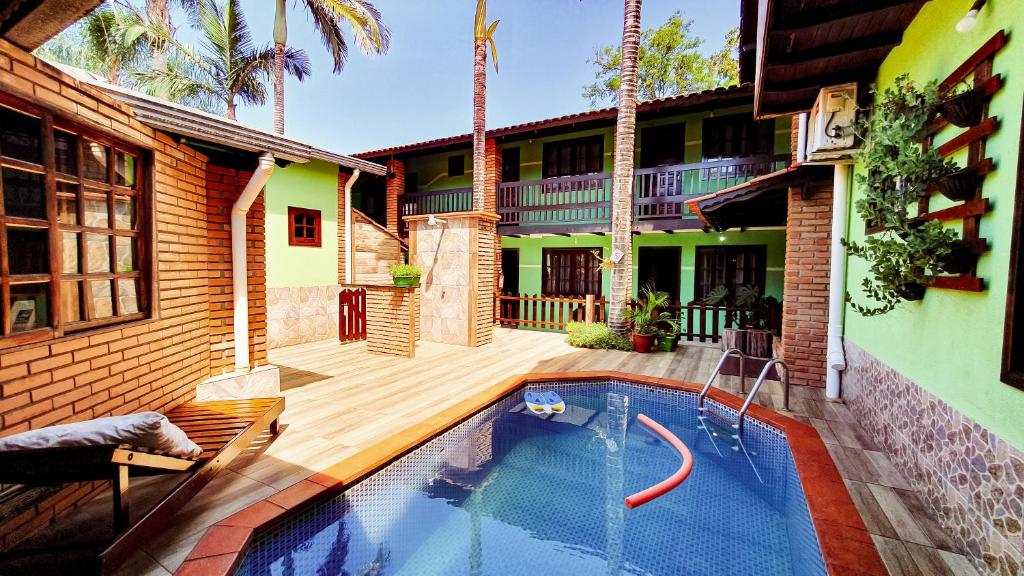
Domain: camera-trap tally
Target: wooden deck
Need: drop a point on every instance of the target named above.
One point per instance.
(340, 399)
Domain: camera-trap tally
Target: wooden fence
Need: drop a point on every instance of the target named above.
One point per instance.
(548, 312)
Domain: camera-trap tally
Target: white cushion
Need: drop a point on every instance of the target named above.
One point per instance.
(148, 430)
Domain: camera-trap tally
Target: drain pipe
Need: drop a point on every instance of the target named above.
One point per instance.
(348, 225)
(239, 268)
(801, 139)
(837, 282)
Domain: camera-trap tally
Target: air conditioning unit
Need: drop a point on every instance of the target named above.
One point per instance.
(830, 134)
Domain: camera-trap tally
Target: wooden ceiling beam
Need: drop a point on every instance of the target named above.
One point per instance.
(832, 77)
(816, 17)
(845, 48)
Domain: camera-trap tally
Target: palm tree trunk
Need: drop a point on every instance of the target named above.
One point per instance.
(158, 11)
(479, 122)
(280, 41)
(231, 109)
(622, 180)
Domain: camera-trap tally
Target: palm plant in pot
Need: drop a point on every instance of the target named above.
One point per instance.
(406, 275)
(645, 317)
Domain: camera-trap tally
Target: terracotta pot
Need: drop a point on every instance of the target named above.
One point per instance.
(960, 260)
(960, 185)
(963, 110)
(643, 342)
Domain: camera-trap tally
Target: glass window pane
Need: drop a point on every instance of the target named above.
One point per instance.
(128, 295)
(125, 253)
(19, 136)
(69, 253)
(97, 214)
(67, 155)
(98, 246)
(95, 161)
(102, 298)
(28, 251)
(124, 213)
(67, 203)
(24, 194)
(71, 301)
(29, 307)
(125, 168)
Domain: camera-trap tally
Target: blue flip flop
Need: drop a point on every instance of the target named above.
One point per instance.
(537, 403)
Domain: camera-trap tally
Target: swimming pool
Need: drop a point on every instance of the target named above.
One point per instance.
(507, 492)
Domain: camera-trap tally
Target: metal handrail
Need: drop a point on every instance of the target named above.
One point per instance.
(757, 385)
(718, 368)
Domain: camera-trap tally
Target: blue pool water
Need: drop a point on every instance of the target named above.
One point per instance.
(510, 493)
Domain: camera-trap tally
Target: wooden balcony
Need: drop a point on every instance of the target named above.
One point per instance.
(583, 203)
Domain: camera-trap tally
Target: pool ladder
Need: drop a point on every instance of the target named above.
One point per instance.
(738, 426)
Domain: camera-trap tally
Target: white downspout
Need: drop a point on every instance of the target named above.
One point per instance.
(349, 251)
(837, 282)
(239, 268)
(801, 139)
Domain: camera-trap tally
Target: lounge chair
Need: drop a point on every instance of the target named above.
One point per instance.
(222, 429)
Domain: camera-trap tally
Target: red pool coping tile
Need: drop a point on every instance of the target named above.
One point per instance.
(845, 543)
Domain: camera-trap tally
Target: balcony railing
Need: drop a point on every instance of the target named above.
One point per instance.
(583, 203)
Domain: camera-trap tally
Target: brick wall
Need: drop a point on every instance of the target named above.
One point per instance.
(152, 364)
(343, 178)
(395, 186)
(805, 300)
(485, 255)
(391, 325)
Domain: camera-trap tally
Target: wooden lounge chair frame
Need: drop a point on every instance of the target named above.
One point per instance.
(223, 429)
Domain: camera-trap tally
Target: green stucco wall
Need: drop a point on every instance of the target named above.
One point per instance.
(530, 250)
(951, 342)
(313, 186)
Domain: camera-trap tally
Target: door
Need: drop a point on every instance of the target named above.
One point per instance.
(510, 284)
(659, 267)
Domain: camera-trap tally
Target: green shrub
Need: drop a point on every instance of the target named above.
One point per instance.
(400, 270)
(596, 336)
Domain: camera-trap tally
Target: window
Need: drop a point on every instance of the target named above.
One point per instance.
(303, 227)
(737, 136)
(570, 272)
(662, 145)
(456, 165)
(72, 240)
(412, 182)
(574, 157)
(729, 266)
(510, 164)
(1013, 332)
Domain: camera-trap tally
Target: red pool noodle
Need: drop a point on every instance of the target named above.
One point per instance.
(668, 484)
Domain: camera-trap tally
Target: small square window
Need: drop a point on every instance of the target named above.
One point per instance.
(456, 165)
(303, 227)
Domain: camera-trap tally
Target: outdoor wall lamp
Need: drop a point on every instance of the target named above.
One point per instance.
(968, 22)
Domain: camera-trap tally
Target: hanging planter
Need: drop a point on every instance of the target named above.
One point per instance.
(960, 260)
(964, 109)
(960, 185)
(911, 292)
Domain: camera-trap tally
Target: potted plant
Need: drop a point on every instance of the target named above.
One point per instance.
(758, 338)
(406, 275)
(964, 106)
(646, 316)
(960, 185)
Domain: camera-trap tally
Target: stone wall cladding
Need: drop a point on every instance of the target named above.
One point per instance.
(972, 480)
(152, 364)
(391, 320)
(805, 300)
(296, 315)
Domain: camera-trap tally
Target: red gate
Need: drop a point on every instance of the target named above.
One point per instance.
(352, 314)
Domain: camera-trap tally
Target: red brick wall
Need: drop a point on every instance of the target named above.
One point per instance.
(805, 300)
(395, 186)
(343, 178)
(151, 364)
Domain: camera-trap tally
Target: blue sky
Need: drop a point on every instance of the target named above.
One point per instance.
(422, 88)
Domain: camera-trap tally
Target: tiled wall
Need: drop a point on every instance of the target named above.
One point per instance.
(972, 480)
(301, 314)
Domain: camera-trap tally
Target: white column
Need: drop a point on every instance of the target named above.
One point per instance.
(239, 267)
(837, 282)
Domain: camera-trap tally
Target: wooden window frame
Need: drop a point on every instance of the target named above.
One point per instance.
(763, 134)
(760, 275)
(652, 137)
(591, 274)
(454, 170)
(547, 171)
(1012, 372)
(294, 240)
(144, 270)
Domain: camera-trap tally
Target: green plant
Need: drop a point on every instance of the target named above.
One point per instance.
(647, 315)
(596, 336)
(405, 270)
(716, 296)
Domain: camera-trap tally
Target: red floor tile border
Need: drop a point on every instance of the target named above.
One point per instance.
(845, 543)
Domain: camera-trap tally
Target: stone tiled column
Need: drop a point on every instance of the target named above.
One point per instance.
(457, 286)
(395, 186)
(805, 300)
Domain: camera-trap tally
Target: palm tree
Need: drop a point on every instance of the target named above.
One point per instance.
(367, 28)
(482, 36)
(622, 179)
(228, 66)
(115, 41)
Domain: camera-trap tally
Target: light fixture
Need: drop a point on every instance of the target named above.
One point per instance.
(435, 221)
(721, 237)
(969, 21)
